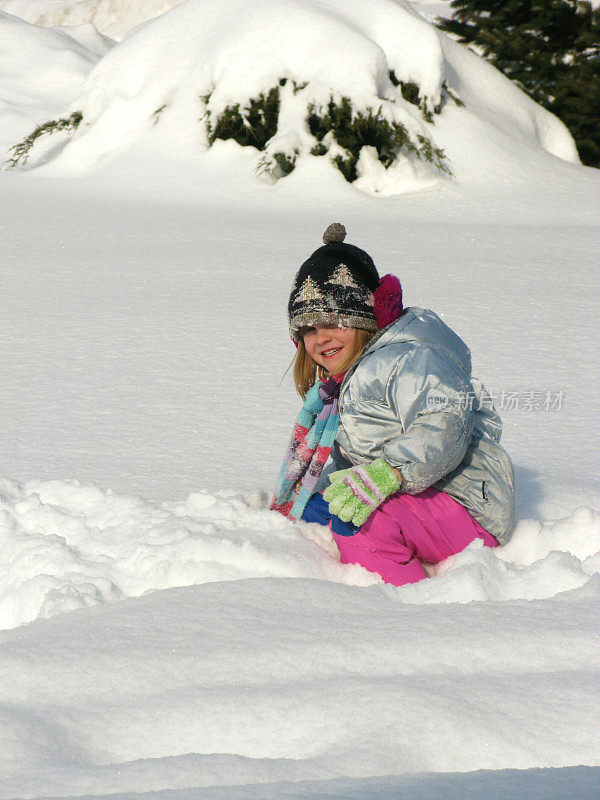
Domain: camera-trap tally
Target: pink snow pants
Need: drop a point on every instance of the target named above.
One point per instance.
(409, 530)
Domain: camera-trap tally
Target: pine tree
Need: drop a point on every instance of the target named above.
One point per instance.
(550, 48)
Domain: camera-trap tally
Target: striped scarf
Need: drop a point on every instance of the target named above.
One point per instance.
(312, 440)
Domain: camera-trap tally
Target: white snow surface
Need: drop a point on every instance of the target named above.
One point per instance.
(250, 683)
(163, 634)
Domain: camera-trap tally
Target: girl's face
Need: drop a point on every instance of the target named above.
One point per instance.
(328, 345)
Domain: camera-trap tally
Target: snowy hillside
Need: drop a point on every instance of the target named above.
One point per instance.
(178, 80)
(163, 635)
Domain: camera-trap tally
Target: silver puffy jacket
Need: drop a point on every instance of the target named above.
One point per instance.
(411, 400)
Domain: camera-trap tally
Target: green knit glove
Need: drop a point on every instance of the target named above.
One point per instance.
(355, 493)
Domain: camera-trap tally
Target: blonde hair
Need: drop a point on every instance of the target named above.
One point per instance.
(307, 372)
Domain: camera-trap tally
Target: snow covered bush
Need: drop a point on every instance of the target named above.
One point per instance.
(339, 124)
(290, 80)
(337, 129)
(253, 126)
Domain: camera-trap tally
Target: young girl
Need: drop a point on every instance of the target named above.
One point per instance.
(397, 446)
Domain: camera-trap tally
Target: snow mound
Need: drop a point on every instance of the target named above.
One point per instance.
(112, 17)
(64, 546)
(41, 71)
(170, 81)
(45, 64)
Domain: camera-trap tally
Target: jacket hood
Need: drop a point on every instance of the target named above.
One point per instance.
(423, 327)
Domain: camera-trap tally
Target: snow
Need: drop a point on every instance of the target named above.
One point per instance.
(114, 18)
(430, 9)
(265, 680)
(67, 546)
(163, 634)
(41, 71)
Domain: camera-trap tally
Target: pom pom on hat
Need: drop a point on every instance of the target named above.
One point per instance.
(334, 233)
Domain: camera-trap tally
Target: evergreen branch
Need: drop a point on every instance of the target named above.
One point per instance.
(22, 150)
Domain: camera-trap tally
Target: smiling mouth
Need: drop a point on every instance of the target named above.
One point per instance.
(329, 353)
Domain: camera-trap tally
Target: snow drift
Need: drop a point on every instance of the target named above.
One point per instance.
(272, 662)
(41, 71)
(64, 546)
(173, 78)
(234, 683)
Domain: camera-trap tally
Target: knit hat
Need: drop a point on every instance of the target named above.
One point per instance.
(339, 285)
